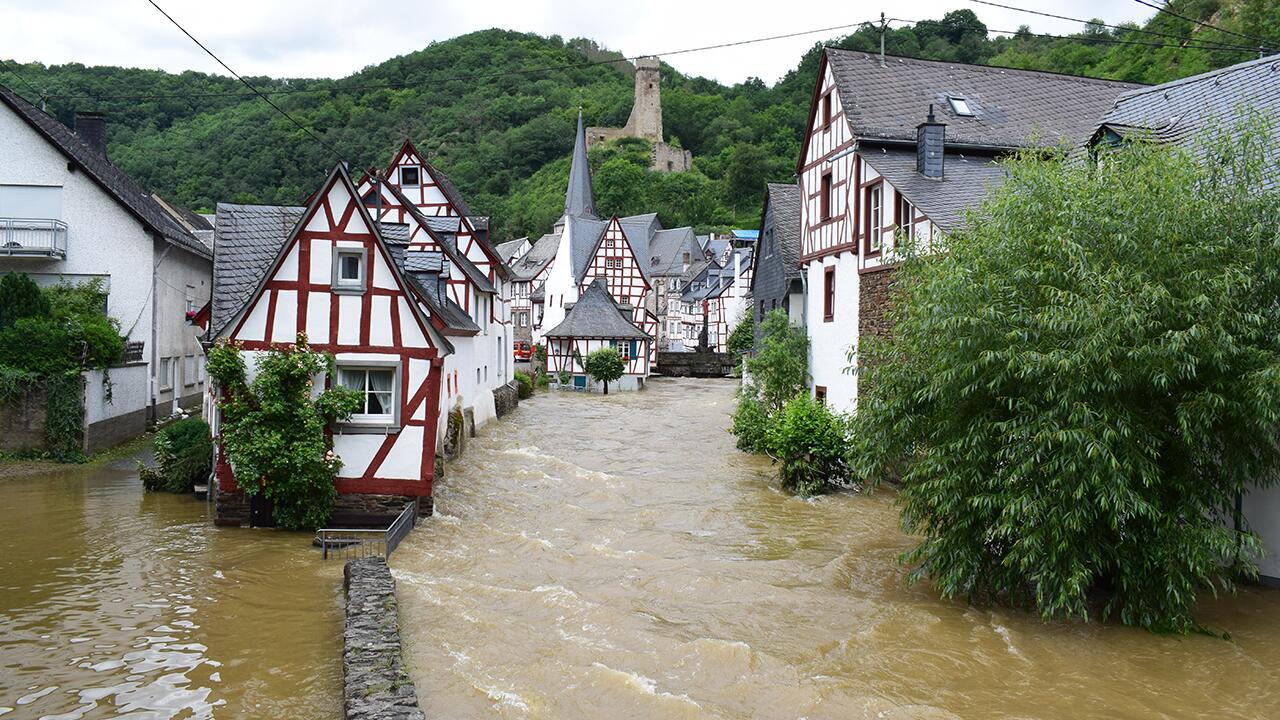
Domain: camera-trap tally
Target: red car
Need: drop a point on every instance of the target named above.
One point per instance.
(523, 350)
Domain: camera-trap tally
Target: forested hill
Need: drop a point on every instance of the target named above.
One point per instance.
(490, 112)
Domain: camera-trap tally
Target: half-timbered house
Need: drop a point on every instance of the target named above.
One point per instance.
(595, 321)
(329, 271)
(898, 146)
(413, 193)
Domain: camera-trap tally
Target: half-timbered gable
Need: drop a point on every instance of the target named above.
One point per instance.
(593, 322)
(898, 147)
(333, 278)
(614, 260)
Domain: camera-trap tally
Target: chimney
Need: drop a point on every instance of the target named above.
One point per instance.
(931, 147)
(91, 127)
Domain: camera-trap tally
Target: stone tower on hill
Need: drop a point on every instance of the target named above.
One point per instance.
(646, 122)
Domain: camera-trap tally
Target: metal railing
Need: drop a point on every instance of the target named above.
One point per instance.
(352, 543)
(33, 237)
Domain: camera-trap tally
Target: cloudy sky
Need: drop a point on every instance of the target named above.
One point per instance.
(332, 38)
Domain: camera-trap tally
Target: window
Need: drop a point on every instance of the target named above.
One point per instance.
(875, 218)
(165, 377)
(477, 376)
(905, 217)
(826, 196)
(31, 201)
(960, 106)
(191, 298)
(348, 269)
(608, 242)
(189, 370)
(828, 294)
(826, 110)
(820, 394)
(410, 177)
(522, 319)
(378, 387)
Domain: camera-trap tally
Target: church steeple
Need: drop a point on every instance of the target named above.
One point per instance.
(578, 200)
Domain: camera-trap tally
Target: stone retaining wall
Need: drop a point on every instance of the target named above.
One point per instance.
(694, 364)
(375, 684)
(506, 398)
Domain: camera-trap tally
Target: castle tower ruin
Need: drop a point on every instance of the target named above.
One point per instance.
(645, 122)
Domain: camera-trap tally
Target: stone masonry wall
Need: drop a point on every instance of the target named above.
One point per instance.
(874, 291)
(376, 685)
(506, 398)
(22, 421)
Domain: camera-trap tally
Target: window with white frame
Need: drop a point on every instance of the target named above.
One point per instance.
(189, 370)
(377, 387)
(875, 217)
(410, 177)
(165, 377)
(349, 269)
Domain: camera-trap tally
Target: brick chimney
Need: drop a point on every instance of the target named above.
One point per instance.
(91, 127)
(931, 147)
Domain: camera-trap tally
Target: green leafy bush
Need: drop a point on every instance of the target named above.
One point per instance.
(274, 431)
(524, 385)
(184, 454)
(810, 443)
(20, 297)
(741, 339)
(544, 380)
(38, 345)
(1085, 379)
(751, 422)
(780, 369)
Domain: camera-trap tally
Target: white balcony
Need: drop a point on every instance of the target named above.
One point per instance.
(33, 237)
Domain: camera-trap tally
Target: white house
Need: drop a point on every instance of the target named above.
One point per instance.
(899, 145)
(67, 214)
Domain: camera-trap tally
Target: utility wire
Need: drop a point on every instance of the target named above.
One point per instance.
(1156, 33)
(246, 83)
(1263, 44)
(1089, 39)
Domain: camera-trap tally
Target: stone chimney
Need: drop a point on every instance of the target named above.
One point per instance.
(91, 127)
(931, 147)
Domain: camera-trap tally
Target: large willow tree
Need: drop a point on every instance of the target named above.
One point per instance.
(1083, 380)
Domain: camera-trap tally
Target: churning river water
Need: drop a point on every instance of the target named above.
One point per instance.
(591, 557)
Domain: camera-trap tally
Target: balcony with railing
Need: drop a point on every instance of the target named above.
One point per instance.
(33, 237)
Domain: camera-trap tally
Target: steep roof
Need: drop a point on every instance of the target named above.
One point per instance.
(537, 258)
(965, 183)
(784, 199)
(246, 240)
(584, 235)
(578, 199)
(507, 250)
(423, 271)
(114, 181)
(1011, 108)
(447, 244)
(596, 315)
(667, 251)
(1180, 112)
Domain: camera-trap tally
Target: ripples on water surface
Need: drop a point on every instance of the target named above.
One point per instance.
(615, 557)
(114, 602)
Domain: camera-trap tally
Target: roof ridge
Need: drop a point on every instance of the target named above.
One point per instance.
(994, 69)
(1163, 87)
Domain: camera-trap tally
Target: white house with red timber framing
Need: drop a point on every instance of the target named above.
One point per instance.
(329, 271)
(876, 163)
(593, 322)
(417, 195)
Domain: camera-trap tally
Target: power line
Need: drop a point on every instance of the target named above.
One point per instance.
(1165, 9)
(246, 83)
(449, 78)
(1156, 33)
(1085, 38)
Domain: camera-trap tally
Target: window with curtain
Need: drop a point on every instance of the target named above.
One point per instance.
(378, 386)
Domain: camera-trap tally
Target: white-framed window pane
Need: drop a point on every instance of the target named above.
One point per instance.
(410, 177)
(349, 267)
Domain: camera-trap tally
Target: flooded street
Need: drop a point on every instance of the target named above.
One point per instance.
(615, 557)
(115, 602)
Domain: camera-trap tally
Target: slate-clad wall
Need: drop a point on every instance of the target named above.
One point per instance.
(376, 685)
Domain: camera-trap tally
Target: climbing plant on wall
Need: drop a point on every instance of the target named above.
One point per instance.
(273, 428)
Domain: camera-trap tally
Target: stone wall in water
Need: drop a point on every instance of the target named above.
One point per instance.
(376, 685)
(694, 364)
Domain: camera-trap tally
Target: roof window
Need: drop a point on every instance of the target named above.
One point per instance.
(960, 106)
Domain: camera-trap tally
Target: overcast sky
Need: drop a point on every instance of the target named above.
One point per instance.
(334, 38)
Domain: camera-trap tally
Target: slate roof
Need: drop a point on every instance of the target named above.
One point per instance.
(422, 270)
(584, 233)
(448, 244)
(246, 240)
(596, 315)
(533, 261)
(508, 249)
(667, 249)
(578, 198)
(1182, 111)
(449, 189)
(116, 182)
(966, 182)
(1012, 108)
(785, 201)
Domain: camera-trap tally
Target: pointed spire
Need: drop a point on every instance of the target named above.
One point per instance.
(578, 200)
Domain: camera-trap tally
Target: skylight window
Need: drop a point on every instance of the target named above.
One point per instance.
(960, 106)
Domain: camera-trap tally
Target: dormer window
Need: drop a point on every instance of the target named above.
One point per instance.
(410, 177)
(960, 106)
(348, 270)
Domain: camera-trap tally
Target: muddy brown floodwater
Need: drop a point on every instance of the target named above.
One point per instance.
(120, 603)
(616, 557)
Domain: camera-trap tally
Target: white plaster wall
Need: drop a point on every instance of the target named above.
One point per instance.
(1262, 511)
(103, 239)
(128, 392)
(177, 271)
(829, 342)
(559, 287)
